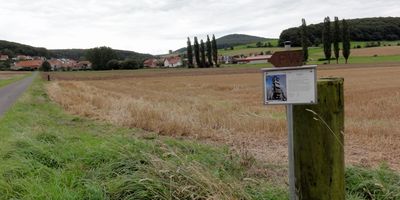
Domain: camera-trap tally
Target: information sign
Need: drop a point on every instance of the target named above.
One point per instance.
(291, 85)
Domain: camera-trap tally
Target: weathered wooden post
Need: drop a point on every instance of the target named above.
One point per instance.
(318, 144)
(48, 77)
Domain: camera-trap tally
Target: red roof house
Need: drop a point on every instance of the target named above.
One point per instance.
(174, 61)
(28, 65)
(151, 63)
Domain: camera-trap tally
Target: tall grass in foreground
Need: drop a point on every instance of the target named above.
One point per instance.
(381, 183)
(46, 154)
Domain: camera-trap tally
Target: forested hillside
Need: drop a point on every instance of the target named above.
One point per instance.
(79, 54)
(232, 40)
(365, 29)
(12, 49)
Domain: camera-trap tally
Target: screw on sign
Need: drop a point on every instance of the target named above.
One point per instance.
(287, 58)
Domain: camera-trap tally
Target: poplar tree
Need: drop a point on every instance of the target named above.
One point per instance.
(327, 39)
(215, 50)
(209, 52)
(202, 54)
(336, 39)
(197, 52)
(304, 39)
(189, 53)
(346, 40)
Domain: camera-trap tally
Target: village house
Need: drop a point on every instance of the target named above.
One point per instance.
(174, 61)
(28, 65)
(84, 65)
(22, 57)
(150, 63)
(68, 64)
(4, 57)
(55, 64)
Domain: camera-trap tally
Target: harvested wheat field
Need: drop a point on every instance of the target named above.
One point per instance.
(10, 74)
(227, 109)
(380, 51)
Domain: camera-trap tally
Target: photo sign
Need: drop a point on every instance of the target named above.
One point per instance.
(290, 85)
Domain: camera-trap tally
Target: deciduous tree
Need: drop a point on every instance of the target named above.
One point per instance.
(46, 66)
(100, 56)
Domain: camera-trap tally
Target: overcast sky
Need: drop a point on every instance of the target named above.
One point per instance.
(155, 26)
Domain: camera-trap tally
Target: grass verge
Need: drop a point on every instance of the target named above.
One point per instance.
(4, 82)
(47, 154)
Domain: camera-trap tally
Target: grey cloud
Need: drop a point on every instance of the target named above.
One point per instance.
(155, 26)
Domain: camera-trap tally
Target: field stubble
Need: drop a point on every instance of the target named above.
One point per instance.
(228, 109)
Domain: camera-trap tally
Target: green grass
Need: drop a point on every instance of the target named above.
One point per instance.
(361, 60)
(316, 53)
(4, 82)
(381, 183)
(245, 50)
(46, 154)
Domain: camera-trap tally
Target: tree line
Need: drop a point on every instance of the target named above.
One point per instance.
(105, 58)
(365, 29)
(331, 34)
(204, 55)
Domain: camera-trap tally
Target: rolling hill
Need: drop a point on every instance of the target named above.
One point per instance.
(78, 54)
(12, 49)
(232, 40)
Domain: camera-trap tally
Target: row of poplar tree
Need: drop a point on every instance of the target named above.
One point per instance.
(329, 37)
(205, 55)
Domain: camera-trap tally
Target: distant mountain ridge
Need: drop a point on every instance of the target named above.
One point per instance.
(12, 49)
(232, 40)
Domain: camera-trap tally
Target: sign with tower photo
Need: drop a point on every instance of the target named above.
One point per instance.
(291, 85)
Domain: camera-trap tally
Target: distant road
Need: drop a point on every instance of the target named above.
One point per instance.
(10, 93)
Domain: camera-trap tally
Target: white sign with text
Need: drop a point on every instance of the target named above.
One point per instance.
(291, 85)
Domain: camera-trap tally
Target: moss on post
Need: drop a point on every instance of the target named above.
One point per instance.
(318, 144)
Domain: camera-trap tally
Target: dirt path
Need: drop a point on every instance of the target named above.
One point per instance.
(10, 93)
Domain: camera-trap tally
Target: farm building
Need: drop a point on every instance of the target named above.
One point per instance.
(28, 65)
(151, 63)
(23, 57)
(253, 59)
(55, 64)
(225, 59)
(83, 65)
(175, 61)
